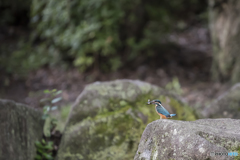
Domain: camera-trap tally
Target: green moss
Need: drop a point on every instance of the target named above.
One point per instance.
(114, 128)
(183, 111)
(117, 132)
(124, 124)
(238, 151)
(230, 144)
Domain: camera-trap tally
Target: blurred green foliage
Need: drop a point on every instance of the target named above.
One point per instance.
(174, 86)
(24, 57)
(49, 104)
(45, 147)
(101, 34)
(44, 150)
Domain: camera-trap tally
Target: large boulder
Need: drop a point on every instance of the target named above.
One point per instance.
(21, 127)
(108, 118)
(171, 139)
(226, 106)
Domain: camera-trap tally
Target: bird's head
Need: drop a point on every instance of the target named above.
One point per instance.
(157, 102)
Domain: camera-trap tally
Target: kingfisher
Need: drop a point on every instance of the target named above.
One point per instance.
(164, 114)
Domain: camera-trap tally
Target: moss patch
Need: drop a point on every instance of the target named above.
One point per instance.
(109, 119)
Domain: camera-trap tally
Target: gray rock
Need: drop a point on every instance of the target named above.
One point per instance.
(171, 139)
(109, 117)
(20, 127)
(226, 106)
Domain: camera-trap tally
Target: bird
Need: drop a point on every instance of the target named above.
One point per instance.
(161, 111)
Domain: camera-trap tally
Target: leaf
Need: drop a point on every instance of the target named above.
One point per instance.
(54, 108)
(47, 156)
(38, 144)
(55, 100)
(54, 90)
(49, 146)
(43, 141)
(38, 157)
(50, 143)
(59, 92)
(44, 100)
(40, 150)
(47, 127)
(46, 108)
(46, 91)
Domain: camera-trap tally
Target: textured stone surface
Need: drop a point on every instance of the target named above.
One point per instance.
(171, 139)
(109, 117)
(226, 106)
(20, 127)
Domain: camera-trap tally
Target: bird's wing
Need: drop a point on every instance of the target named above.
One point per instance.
(162, 110)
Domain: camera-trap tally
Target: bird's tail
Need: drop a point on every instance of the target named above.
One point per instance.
(173, 115)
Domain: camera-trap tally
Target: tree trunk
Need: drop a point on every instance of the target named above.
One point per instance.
(224, 18)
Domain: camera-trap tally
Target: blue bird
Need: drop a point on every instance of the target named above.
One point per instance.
(164, 114)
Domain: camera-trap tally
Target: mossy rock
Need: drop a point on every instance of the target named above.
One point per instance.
(226, 106)
(108, 119)
(21, 127)
(170, 139)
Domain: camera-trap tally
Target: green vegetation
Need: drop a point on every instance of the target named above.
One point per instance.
(45, 147)
(115, 132)
(101, 34)
(44, 150)
(174, 86)
(110, 118)
(49, 102)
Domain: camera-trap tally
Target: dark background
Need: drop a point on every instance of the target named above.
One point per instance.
(67, 44)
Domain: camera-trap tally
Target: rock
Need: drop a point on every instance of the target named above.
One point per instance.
(108, 118)
(171, 139)
(21, 127)
(226, 106)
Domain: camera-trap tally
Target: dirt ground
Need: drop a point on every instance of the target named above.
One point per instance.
(190, 62)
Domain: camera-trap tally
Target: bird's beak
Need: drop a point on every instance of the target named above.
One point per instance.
(151, 102)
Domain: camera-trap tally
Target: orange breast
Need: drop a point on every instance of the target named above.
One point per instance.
(162, 116)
